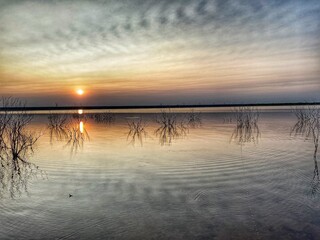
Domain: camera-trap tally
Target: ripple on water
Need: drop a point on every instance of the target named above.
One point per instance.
(203, 180)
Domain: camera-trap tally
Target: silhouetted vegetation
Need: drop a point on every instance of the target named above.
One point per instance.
(308, 123)
(137, 131)
(70, 129)
(17, 146)
(77, 135)
(4, 120)
(247, 129)
(171, 127)
(58, 127)
(308, 126)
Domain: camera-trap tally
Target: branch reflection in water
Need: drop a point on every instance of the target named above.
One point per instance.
(17, 147)
(308, 125)
(71, 130)
(77, 136)
(247, 129)
(171, 127)
(58, 127)
(137, 131)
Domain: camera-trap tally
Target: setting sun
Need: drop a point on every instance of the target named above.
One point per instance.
(80, 92)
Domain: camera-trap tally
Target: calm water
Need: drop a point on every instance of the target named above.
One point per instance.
(199, 181)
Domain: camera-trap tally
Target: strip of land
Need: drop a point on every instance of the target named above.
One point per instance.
(47, 108)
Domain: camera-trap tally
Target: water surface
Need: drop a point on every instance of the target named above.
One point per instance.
(205, 180)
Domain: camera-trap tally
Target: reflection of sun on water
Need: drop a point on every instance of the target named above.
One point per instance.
(81, 127)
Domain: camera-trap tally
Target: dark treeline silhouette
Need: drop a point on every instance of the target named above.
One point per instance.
(158, 106)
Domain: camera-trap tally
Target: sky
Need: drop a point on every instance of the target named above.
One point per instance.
(146, 52)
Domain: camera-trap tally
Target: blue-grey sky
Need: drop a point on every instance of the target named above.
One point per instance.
(127, 52)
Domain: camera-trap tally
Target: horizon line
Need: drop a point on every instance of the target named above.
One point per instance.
(46, 108)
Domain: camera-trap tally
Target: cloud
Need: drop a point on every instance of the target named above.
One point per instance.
(201, 44)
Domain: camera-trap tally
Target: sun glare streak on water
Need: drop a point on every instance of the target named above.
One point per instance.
(81, 127)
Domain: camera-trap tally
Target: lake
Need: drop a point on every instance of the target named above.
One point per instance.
(150, 175)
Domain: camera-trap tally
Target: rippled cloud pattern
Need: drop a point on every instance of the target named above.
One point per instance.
(168, 51)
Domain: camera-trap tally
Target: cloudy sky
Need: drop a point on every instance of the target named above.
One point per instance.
(137, 52)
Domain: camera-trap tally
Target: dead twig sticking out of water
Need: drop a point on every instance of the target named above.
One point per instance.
(171, 127)
(136, 131)
(308, 125)
(17, 146)
(247, 129)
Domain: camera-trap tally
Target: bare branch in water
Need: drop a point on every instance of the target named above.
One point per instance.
(171, 127)
(308, 123)
(17, 146)
(247, 129)
(58, 127)
(71, 130)
(77, 135)
(308, 126)
(137, 131)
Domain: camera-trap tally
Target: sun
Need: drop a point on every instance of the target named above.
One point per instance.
(80, 92)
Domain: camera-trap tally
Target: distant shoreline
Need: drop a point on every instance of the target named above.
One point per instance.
(156, 106)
